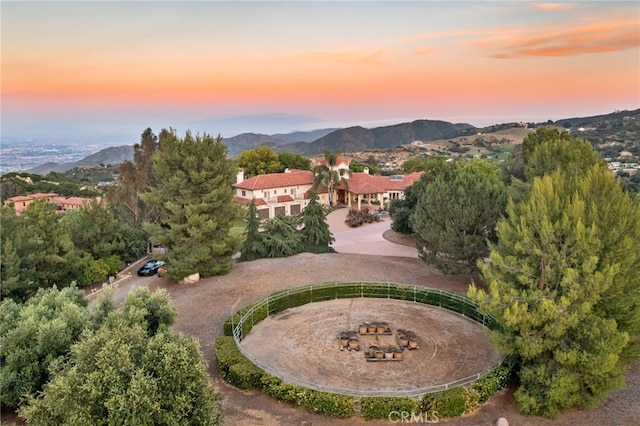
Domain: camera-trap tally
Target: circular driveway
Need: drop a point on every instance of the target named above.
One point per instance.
(365, 239)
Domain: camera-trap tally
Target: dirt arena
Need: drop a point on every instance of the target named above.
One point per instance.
(302, 344)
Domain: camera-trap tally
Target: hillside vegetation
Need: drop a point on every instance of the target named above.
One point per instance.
(615, 135)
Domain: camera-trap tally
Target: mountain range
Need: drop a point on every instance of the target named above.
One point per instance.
(351, 139)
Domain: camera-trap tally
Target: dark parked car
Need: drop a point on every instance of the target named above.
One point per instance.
(150, 268)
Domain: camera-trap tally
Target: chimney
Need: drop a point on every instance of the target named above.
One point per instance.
(287, 170)
(366, 170)
(240, 176)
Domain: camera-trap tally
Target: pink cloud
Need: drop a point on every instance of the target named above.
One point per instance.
(596, 38)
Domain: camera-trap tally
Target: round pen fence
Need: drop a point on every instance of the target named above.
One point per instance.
(246, 318)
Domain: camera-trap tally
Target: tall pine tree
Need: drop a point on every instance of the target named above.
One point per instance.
(456, 215)
(253, 247)
(563, 280)
(315, 229)
(193, 191)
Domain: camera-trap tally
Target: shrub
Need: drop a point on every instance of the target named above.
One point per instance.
(492, 382)
(114, 263)
(227, 354)
(448, 403)
(245, 374)
(95, 271)
(381, 407)
(357, 217)
(472, 402)
(320, 402)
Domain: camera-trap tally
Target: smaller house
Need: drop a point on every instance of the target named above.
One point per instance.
(21, 202)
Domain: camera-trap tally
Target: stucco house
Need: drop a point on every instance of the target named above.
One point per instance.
(287, 192)
(63, 204)
(275, 192)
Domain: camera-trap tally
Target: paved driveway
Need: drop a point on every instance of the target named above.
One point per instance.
(365, 239)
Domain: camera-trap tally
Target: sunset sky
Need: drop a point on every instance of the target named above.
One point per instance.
(85, 66)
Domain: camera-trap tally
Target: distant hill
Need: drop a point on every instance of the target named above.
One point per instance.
(609, 133)
(111, 155)
(291, 141)
(358, 138)
(597, 120)
(309, 136)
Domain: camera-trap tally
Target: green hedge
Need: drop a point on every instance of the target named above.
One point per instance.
(227, 355)
(237, 370)
(448, 403)
(245, 375)
(495, 380)
(381, 407)
(320, 402)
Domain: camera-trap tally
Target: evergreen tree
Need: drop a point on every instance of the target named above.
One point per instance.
(94, 230)
(154, 311)
(456, 215)
(47, 254)
(281, 237)
(253, 247)
(400, 209)
(193, 191)
(315, 229)
(574, 156)
(10, 271)
(541, 135)
(563, 280)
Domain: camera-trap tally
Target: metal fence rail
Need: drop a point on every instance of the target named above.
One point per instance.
(279, 301)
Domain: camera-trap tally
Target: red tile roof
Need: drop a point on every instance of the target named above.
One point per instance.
(340, 160)
(277, 180)
(258, 201)
(364, 183)
(73, 201)
(284, 198)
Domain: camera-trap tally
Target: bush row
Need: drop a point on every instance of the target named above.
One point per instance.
(237, 370)
(444, 404)
(234, 367)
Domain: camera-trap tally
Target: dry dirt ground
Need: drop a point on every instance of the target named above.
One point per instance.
(302, 344)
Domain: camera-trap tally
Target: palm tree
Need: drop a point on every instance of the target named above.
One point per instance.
(326, 174)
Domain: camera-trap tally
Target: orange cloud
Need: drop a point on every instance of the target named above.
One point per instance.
(596, 38)
(423, 52)
(553, 6)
